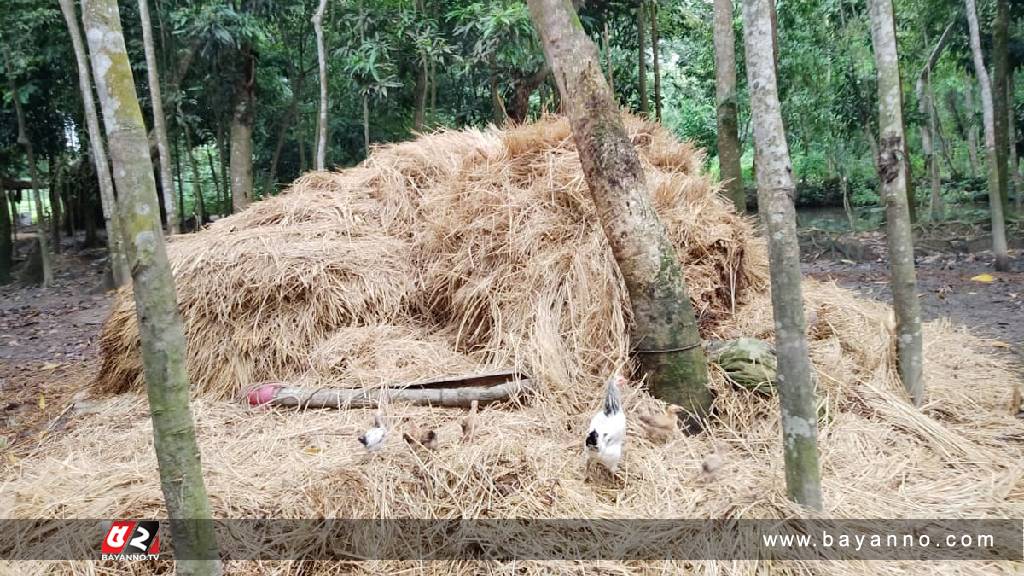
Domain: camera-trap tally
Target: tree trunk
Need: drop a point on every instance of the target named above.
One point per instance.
(608, 60)
(366, 124)
(181, 181)
(657, 64)
(936, 208)
(641, 56)
(214, 179)
(995, 200)
(321, 132)
(972, 129)
(422, 89)
(1000, 77)
(665, 332)
(241, 133)
(729, 152)
(6, 246)
(163, 148)
(892, 180)
(282, 136)
(56, 210)
(926, 109)
(30, 157)
(160, 326)
(197, 183)
(1015, 176)
(775, 192)
(222, 158)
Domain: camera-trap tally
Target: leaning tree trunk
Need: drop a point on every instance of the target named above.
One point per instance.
(115, 243)
(1000, 79)
(321, 51)
(892, 179)
(725, 98)
(160, 326)
(163, 148)
(241, 133)
(665, 332)
(641, 56)
(995, 200)
(775, 192)
(30, 157)
(656, 63)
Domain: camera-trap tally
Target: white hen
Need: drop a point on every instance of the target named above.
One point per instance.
(373, 439)
(608, 428)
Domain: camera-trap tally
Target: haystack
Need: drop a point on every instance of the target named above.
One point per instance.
(515, 273)
(458, 249)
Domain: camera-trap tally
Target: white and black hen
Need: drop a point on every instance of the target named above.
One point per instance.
(608, 428)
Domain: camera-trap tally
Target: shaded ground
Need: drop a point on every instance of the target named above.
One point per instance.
(950, 279)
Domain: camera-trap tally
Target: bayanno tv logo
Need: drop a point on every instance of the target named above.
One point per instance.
(131, 540)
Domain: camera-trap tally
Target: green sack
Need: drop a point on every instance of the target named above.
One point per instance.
(747, 362)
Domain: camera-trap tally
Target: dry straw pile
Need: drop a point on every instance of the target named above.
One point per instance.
(466, 249)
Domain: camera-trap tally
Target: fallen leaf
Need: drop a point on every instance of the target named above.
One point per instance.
(50, 366)
(42, 402)
(986, 278)
(311, 450)
(999, 344)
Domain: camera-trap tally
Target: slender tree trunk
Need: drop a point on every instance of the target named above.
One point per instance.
(729, 152)
(6, 245)
(56, 210)
(160, 326)
(241, 133)
(926, 109)
(1000, 77)
(181, 181)
(665, 332)
(366, 124)
(657, 64)
(422, 89)
(197, 183)
(995, 200)
(213, 177)
(321, 51)
(608, 60)
(222, 158)
(30, 157)
(641, 56)
(163, 148)
(115, 243)
(303, 165)
(893, 182)
(1015, 176)
(282, 137)
(936, 208)
(775, 192)
(972, 128)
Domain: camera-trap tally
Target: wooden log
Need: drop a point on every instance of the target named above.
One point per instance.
(448, 392)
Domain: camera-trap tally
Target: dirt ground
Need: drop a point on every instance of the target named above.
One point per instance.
(48, 338)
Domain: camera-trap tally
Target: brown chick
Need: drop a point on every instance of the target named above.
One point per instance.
(469, 422)
(423, 437)
(713, 462)
(660, 427)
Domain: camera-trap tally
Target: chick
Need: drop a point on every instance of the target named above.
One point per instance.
(373, 439)
(713, 462)
(423, 437)
(608, 428)
(469, 422)
(660, 427)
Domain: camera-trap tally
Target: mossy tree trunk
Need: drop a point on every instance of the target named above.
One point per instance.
(41, 224)
(1000, 107)
(160, 326)
(665, 333)
(775, 193)
(321, 51)
(115, 243)
(729, 152)
(241, 132)
(159, 127)
(995, 199)
(892, 180)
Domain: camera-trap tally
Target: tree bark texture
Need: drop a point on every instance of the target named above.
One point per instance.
(159, 128)
(729, 152)
(893, 190)
(665, 332)
(995, 200)
(160, 326)
(241, 133)
(775, 190)
(321, 52)
(115, 243)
